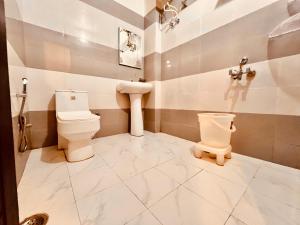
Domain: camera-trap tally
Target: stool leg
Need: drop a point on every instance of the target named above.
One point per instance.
(228, 155)
(220, 160)
(198, 154)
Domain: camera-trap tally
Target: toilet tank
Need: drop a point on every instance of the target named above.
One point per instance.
(71, 100)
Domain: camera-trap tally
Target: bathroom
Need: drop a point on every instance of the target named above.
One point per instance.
(150, 112)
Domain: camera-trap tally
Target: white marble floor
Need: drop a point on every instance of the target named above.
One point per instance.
(155, 180)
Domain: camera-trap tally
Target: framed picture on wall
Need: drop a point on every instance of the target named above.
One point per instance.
(130, 49)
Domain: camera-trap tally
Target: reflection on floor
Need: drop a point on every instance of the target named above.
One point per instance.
(155, 180)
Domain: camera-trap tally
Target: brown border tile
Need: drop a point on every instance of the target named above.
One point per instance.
(15, 36)
(20, 157)
(151, 17)
(50, 50)
(152, 118)
(273, 138)
(152, 67)
(224, 46)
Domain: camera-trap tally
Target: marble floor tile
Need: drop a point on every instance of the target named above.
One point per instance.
(159, 172)
(155, 158)
(217, 190)
(66, 215)
(240, 159)
(239, 173)
(44, 165)
(85, 165)
(47, 196)
(37, 176)
(178, 170)
(186, 155)
(115, 155)
(234, 221)
(151, 186)
(113, 206)
(257, 209)
(45, 157)
(276, 184)
(130, 165)
(282, 168)
(146, 218)
(183, 207)
(92, 181)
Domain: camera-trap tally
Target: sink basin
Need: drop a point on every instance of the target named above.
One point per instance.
(128, 87)
(135, 91)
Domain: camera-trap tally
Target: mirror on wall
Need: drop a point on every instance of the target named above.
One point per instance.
(130, 51)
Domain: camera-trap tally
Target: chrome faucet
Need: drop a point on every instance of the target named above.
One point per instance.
(238, 74)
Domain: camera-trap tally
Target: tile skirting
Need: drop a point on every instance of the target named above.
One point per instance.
(273, 138)
(152, 119)
(43, 131)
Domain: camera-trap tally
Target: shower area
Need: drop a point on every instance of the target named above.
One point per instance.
(202, 57)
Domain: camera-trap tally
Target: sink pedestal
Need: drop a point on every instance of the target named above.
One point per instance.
(135, 91)
(137, 126)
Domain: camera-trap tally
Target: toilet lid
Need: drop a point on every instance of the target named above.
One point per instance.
(76, 115)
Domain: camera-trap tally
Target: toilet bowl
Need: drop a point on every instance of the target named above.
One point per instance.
(76, 125)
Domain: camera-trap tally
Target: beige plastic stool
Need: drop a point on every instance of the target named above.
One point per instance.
(221, 153)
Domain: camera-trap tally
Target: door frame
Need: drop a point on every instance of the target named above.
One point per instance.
(9, 212)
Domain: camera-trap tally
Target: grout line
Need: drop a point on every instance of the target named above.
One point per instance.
(79, 218)
(180, 185)
(246, 189)
(227, 219)
(123, 182)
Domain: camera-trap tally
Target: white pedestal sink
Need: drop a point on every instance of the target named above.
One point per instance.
(135, 91)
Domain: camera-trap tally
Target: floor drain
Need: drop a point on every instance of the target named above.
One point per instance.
(37, 219)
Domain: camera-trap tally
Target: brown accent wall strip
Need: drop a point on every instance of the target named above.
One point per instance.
(152, 67)
(223, 47)
(113, 121)
(273, 138)
(151, 17)
(269, 137)
(20, 157)
(43, 132)
(15, 36)
(152, 120)
(117, 10)
(50, 50)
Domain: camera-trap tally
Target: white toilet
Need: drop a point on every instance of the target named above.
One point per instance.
(76, 125)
